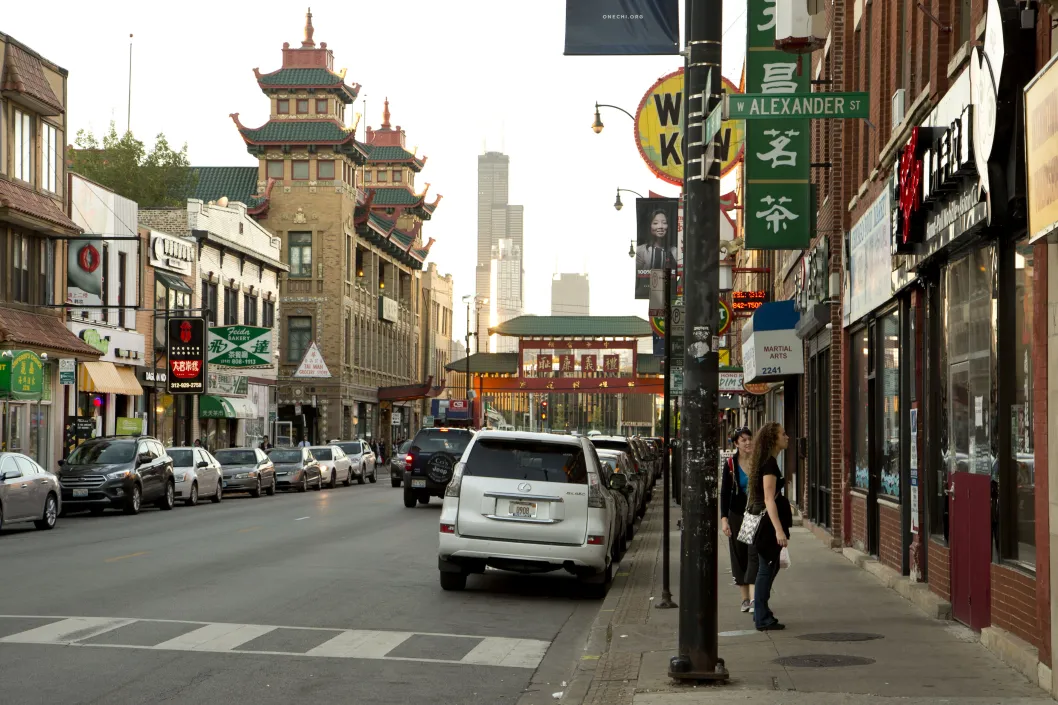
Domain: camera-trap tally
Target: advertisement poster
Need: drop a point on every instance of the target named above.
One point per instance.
(185, 345)
(656, 247)
(622, 27)
(84, 271)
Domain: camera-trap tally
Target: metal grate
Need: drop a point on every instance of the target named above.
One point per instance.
(822, 661)
(841, 636)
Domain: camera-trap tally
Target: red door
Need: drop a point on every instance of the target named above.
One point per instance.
(970, 508)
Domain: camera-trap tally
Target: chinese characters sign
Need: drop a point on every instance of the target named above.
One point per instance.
(543, 365)
(611, 365)
(778, 206)
(240, 346)
(567, 363)
(21, 375)
(589, 364)
(185, 346)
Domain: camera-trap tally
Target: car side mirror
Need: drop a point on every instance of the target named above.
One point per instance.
(61, 462)
(143, 458)
(9, 475)
(202, 464)
(618, 482)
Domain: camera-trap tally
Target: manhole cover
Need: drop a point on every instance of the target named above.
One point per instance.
(841, 636)
(822, 661)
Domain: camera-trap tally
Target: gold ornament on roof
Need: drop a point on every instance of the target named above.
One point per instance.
(308, 30)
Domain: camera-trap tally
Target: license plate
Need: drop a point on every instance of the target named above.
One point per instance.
(80, 493)
(420, 482)
(525, 510)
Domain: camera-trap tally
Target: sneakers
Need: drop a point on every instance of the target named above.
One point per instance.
(775, 626)
(746, 605)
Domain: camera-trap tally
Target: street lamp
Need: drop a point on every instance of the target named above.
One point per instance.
(632, 248)
(597, 125)
(617, 204)
(479, 301)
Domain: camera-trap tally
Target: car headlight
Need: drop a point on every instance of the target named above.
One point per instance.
(252, 473)
(179, 477)
(119, 474)
(242, 475)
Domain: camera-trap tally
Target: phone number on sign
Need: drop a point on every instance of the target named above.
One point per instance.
(186, 385)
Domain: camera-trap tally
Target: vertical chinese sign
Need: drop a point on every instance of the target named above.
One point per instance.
(186, 350)
(611, 365)
(543, 365)
(778, 204)
(567, 364)
(588, 365)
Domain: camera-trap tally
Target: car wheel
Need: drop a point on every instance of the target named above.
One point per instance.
(132, 502)
(256, 492)
(395, 482)
(453, 581)
(409, 498)
(374, 476)
(348, 477)
(360, 477)
(319, 483)
(51, 514)
(168, 501)
(192, 499)
(424, 499)
(218, 496)
(271, 491)
(599, 584)
(334, 480)
(304, 484)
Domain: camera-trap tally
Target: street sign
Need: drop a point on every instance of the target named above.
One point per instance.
(394, 420)
(240, 346)
(67, 371)
(676, 382)
(713, 122)
(754, 106)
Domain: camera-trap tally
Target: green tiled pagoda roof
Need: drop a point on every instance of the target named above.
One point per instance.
(402, 239)
(395, 196)
(487, 363)
(392, 153)
(304, 78)
(579, 326)
(238, 183)
(297, 132)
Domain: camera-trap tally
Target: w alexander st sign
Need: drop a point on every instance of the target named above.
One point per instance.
(750, 106)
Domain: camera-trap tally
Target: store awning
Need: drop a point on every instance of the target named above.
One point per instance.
(771, 349)
(211, 406)
(172, 282)
(108, 378)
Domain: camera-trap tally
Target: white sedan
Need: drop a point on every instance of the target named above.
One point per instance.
(335, 465)
(196, 474)
(363, 459)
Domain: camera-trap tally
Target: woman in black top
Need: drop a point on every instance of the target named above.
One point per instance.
(733, 488)
(766, 495)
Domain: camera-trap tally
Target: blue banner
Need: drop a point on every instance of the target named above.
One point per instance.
(622, 27)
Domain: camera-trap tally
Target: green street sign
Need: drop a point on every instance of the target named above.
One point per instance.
(714, 121)
(754, 106)
(240, 346)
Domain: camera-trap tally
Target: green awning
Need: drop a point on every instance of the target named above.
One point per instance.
(172, 282)
(211, 406)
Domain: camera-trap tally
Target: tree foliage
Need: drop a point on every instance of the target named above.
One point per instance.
(159, 177)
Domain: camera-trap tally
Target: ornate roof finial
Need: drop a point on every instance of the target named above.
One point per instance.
(385, 114)
(308, 31)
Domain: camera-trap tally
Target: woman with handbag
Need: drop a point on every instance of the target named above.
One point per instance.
(733, 488)
(770, 510)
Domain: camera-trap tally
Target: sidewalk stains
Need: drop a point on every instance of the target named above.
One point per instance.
(823, 661)
(841, 636)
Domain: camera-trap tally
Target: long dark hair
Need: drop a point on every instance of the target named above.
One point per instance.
(735, 438)
(764, 444)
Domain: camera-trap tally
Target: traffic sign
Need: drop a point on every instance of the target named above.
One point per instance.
(753, 106)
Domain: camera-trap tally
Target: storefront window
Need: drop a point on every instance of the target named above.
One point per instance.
(1021, 417)
(890, 326)
(165, 415)
(861, 454)
(39, 433)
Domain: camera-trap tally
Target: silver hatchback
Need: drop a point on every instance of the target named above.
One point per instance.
(28, 492)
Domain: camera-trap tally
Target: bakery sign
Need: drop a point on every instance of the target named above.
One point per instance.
(172, 253)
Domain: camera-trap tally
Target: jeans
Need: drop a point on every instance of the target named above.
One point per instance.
(767, 569)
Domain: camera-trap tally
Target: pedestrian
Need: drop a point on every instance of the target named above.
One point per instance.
(733, 493)
(265, 445)
(304, 443)
(198, 443)
(767, 498)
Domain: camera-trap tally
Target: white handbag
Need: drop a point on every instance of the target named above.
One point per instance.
(750, 523)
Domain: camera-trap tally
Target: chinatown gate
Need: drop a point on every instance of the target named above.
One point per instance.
(571, 373)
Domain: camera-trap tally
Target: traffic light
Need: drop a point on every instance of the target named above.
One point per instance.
(543, 410)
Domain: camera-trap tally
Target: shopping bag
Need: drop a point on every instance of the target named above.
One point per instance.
(784, 557)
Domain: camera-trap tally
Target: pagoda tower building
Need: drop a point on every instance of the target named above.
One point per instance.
(355, 251)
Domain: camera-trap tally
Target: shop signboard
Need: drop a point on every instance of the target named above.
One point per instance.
(228, 384)
(122, 347)
(21, 375)
(659, 130)
(1041, 151)
(77, 430)
(387, 309)
(172, 253)
(185, 346)
(240, 346)
(67, 371)
(778, 210)
(914, 470)
(129, 426)
(312, 366)
(770, 346)
(748, 300)
(868, 280)
(731, 381)
(622, 27)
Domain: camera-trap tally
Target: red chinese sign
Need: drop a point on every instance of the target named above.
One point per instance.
(543, 365)
(611, 365)
(567, 363)
(186, 351)
(910, 189)
(589, 364)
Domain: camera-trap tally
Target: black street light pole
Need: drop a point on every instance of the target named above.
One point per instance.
(666, 589)
(698, 658)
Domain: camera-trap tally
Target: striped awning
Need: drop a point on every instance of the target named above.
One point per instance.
(108, 378)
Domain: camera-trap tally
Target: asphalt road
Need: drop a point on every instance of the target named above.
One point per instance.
(321, 597)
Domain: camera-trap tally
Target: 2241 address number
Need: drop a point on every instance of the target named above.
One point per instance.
(771, 370)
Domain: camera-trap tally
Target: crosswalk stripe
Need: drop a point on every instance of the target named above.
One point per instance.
(361, 644)
(215, 637)
(68, 630)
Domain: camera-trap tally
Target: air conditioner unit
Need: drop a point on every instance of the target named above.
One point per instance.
(899, 104)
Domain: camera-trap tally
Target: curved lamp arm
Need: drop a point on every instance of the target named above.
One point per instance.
(617, 204)
(597, 125)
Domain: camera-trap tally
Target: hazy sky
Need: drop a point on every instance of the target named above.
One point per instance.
(459, 76)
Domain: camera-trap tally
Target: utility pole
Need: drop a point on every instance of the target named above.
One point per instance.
(666, 590)
(698, 659)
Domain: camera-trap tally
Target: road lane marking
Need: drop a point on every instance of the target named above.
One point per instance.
(511, 653)
(216, 637)
(249, 528)
(359, 643)
(121, 558)
(302, 518)
(68, 631)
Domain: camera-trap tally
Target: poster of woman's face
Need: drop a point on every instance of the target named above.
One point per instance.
(656, 246)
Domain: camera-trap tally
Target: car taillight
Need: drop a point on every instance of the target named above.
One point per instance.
(408, 460)
(592, 540)
(595, 498)
(457, 480)
(448, 528)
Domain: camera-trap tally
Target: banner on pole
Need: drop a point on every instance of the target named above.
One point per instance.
(622, 27)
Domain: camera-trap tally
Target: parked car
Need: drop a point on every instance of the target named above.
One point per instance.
(617, 486)
(117, 471)
(196, 474)
(334, 465)
(528, 503)
(246, 470)
(396, 464)
(430, 461)
(296, 468)
(619, 464)
(28, 492)
(362, 458)
(634, 452)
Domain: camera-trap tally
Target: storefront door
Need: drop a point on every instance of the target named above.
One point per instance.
(819, 438)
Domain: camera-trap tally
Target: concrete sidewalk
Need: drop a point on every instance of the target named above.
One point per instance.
(834, 612)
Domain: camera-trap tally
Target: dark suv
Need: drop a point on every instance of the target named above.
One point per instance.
(430, 460)
(117, 471)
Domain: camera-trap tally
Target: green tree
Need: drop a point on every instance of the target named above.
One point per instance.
(159, 177)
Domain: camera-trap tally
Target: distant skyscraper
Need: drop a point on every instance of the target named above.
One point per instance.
(569, 295)
(499, 273)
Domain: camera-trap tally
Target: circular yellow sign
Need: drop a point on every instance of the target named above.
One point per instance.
(659, 130)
